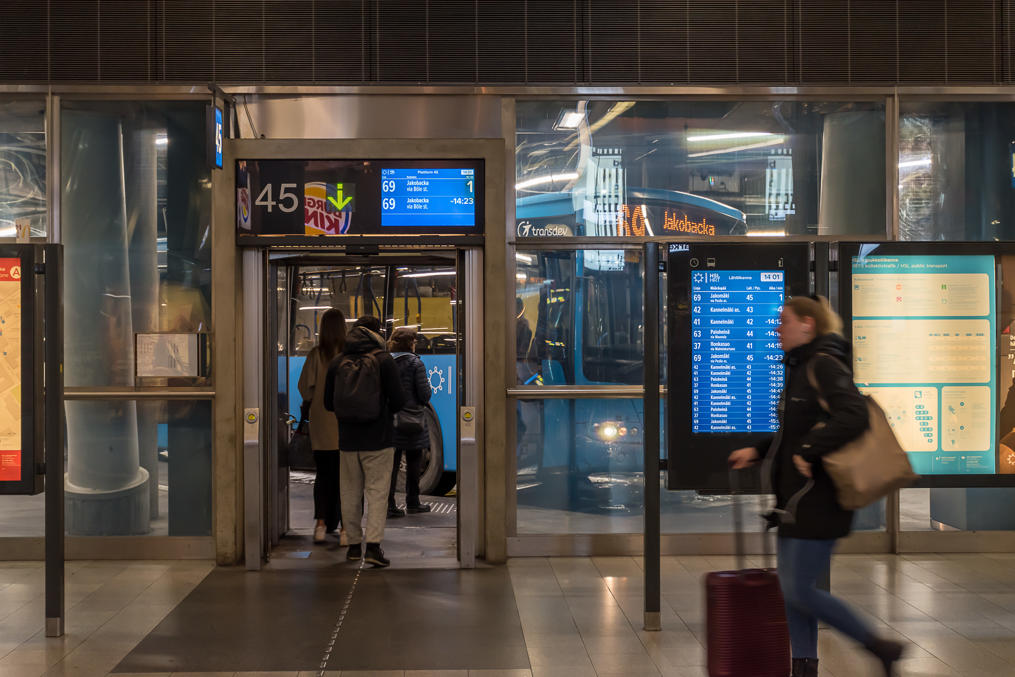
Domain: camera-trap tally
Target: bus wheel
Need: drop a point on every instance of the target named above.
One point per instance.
(431, 472)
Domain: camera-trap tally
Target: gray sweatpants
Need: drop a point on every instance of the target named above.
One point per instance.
(365, 473)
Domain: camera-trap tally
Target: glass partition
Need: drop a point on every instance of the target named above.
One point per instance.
(136, 219)
(23, 167)
(712, 168)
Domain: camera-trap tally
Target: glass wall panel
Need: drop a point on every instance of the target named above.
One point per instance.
(956, 180)
(136, 218)
(176, 485)
(579, 317)
(623, 168)
(23, 166)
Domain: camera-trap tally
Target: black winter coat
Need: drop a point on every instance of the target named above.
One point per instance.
(377, 434)
(416, 387)
(812, 510)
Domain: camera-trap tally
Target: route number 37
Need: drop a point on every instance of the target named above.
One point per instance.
(287, 200)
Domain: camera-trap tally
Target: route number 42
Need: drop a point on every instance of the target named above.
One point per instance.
(287, 200)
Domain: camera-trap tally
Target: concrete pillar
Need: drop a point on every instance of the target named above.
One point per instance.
(852, 197)
(107, 492)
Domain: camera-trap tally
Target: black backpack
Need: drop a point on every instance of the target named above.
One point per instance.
(357, 393)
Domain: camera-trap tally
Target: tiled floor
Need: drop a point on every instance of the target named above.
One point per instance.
(579, 616)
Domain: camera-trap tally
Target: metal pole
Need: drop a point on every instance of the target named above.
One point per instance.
(53, 309)
(651, 407)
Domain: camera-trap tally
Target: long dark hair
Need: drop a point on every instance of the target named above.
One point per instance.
(331, 339)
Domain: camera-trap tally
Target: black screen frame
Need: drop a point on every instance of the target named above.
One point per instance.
(698, 461)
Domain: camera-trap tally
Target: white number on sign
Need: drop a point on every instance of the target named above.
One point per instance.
(388, 203)
(264, 199)
(388, 186)
(284, 195)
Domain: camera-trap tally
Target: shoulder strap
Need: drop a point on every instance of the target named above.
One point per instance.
(813, 380)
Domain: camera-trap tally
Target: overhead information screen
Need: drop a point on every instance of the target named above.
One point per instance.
(359, 197)
(725, 371)
(736, 361)
(924, 346)
(428, 197)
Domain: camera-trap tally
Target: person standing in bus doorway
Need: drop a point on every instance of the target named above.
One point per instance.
(411, 435)
(324, 426)
(362, 387)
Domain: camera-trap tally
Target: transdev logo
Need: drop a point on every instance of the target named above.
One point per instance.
(328, 207)
(527, 229)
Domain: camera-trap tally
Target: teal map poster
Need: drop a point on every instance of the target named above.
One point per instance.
(925, 348)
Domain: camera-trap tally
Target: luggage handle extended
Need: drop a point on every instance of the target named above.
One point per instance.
(739, 535)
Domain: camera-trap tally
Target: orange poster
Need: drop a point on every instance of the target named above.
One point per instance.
(10, 370)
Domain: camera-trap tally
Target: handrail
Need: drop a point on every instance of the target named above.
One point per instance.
(139, 394)
(579, 392)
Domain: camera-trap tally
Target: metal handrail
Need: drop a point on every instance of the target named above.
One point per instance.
(139, 394)
(579, 392)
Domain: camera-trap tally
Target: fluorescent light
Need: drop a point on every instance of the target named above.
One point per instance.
(549, 178)
(438, 273)
(161, 140)
(774, 142)
(524, 258)
(569, 119)
(315, 307)
(919, 162)
(767, 233)
(729, 135)
(521, 277)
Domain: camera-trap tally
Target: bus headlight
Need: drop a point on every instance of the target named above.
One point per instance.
(608, 431)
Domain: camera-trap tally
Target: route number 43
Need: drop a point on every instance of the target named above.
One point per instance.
(287, 200)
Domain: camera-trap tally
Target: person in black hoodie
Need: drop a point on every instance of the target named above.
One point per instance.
(417, 391)
(809, 517)
(367, 448)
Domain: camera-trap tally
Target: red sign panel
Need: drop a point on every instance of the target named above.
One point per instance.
(10, 370)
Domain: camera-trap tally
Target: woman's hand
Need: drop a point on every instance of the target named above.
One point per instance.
(802, 466)
(743, 458)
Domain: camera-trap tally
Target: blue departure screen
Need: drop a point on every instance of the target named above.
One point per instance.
(428, 197)
(736, 361)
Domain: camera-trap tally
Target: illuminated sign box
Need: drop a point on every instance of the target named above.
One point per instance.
(335, 198)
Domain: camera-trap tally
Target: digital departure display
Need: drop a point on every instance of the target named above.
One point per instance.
(428, 197)
(359, 197)
(924, 347)
(736, 362)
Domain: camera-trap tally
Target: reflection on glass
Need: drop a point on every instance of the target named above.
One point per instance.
(956, 179)
(626, 168)
(579, 317)
(136, 214)
(23, 167)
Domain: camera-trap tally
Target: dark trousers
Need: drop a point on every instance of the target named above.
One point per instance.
(413, 460)
(327, 494)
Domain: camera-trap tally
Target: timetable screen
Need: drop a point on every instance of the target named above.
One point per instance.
(736, 361)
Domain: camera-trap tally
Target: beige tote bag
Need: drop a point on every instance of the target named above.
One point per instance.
(870, 466)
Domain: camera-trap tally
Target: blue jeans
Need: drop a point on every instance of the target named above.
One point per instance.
(801, 562)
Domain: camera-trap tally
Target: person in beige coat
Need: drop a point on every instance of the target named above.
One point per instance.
(324, 425)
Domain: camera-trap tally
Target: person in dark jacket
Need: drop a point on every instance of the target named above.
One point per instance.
(810, 519)
(417, 393)
(367, 446)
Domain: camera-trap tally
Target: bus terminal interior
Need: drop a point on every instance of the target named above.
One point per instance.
(177, 244)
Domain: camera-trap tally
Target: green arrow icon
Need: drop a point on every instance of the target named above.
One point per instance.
(339, 201)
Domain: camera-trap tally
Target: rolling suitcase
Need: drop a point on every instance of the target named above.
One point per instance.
(746, 629)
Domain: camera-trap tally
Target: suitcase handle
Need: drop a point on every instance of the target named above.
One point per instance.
(739, 538)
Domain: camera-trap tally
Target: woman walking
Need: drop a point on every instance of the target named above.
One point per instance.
(324, 425)
(809, 517)
(417, 393)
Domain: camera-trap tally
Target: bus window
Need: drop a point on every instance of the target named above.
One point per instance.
(611, 341)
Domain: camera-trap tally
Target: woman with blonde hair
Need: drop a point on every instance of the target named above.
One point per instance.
(324, 425)
(808, 515)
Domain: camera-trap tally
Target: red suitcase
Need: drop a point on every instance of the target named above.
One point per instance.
(746, 627)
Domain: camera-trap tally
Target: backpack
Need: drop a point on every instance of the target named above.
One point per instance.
(357, 389)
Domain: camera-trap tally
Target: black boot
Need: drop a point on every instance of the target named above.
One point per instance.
(887, 651)
(805, 667)
(374, 555)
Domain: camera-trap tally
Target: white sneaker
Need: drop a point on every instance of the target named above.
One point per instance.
(319, 533)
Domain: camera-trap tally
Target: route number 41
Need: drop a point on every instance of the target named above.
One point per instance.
(287, 200)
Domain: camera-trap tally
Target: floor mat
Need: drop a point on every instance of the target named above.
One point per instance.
(282, 620)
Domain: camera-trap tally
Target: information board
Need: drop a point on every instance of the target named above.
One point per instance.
(359, 197)
(10, 370)
(736, 362)
(724, 363)
(925, 347)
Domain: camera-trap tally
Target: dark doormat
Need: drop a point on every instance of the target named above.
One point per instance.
(238, 620)
(282, 620)
(432, 620)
